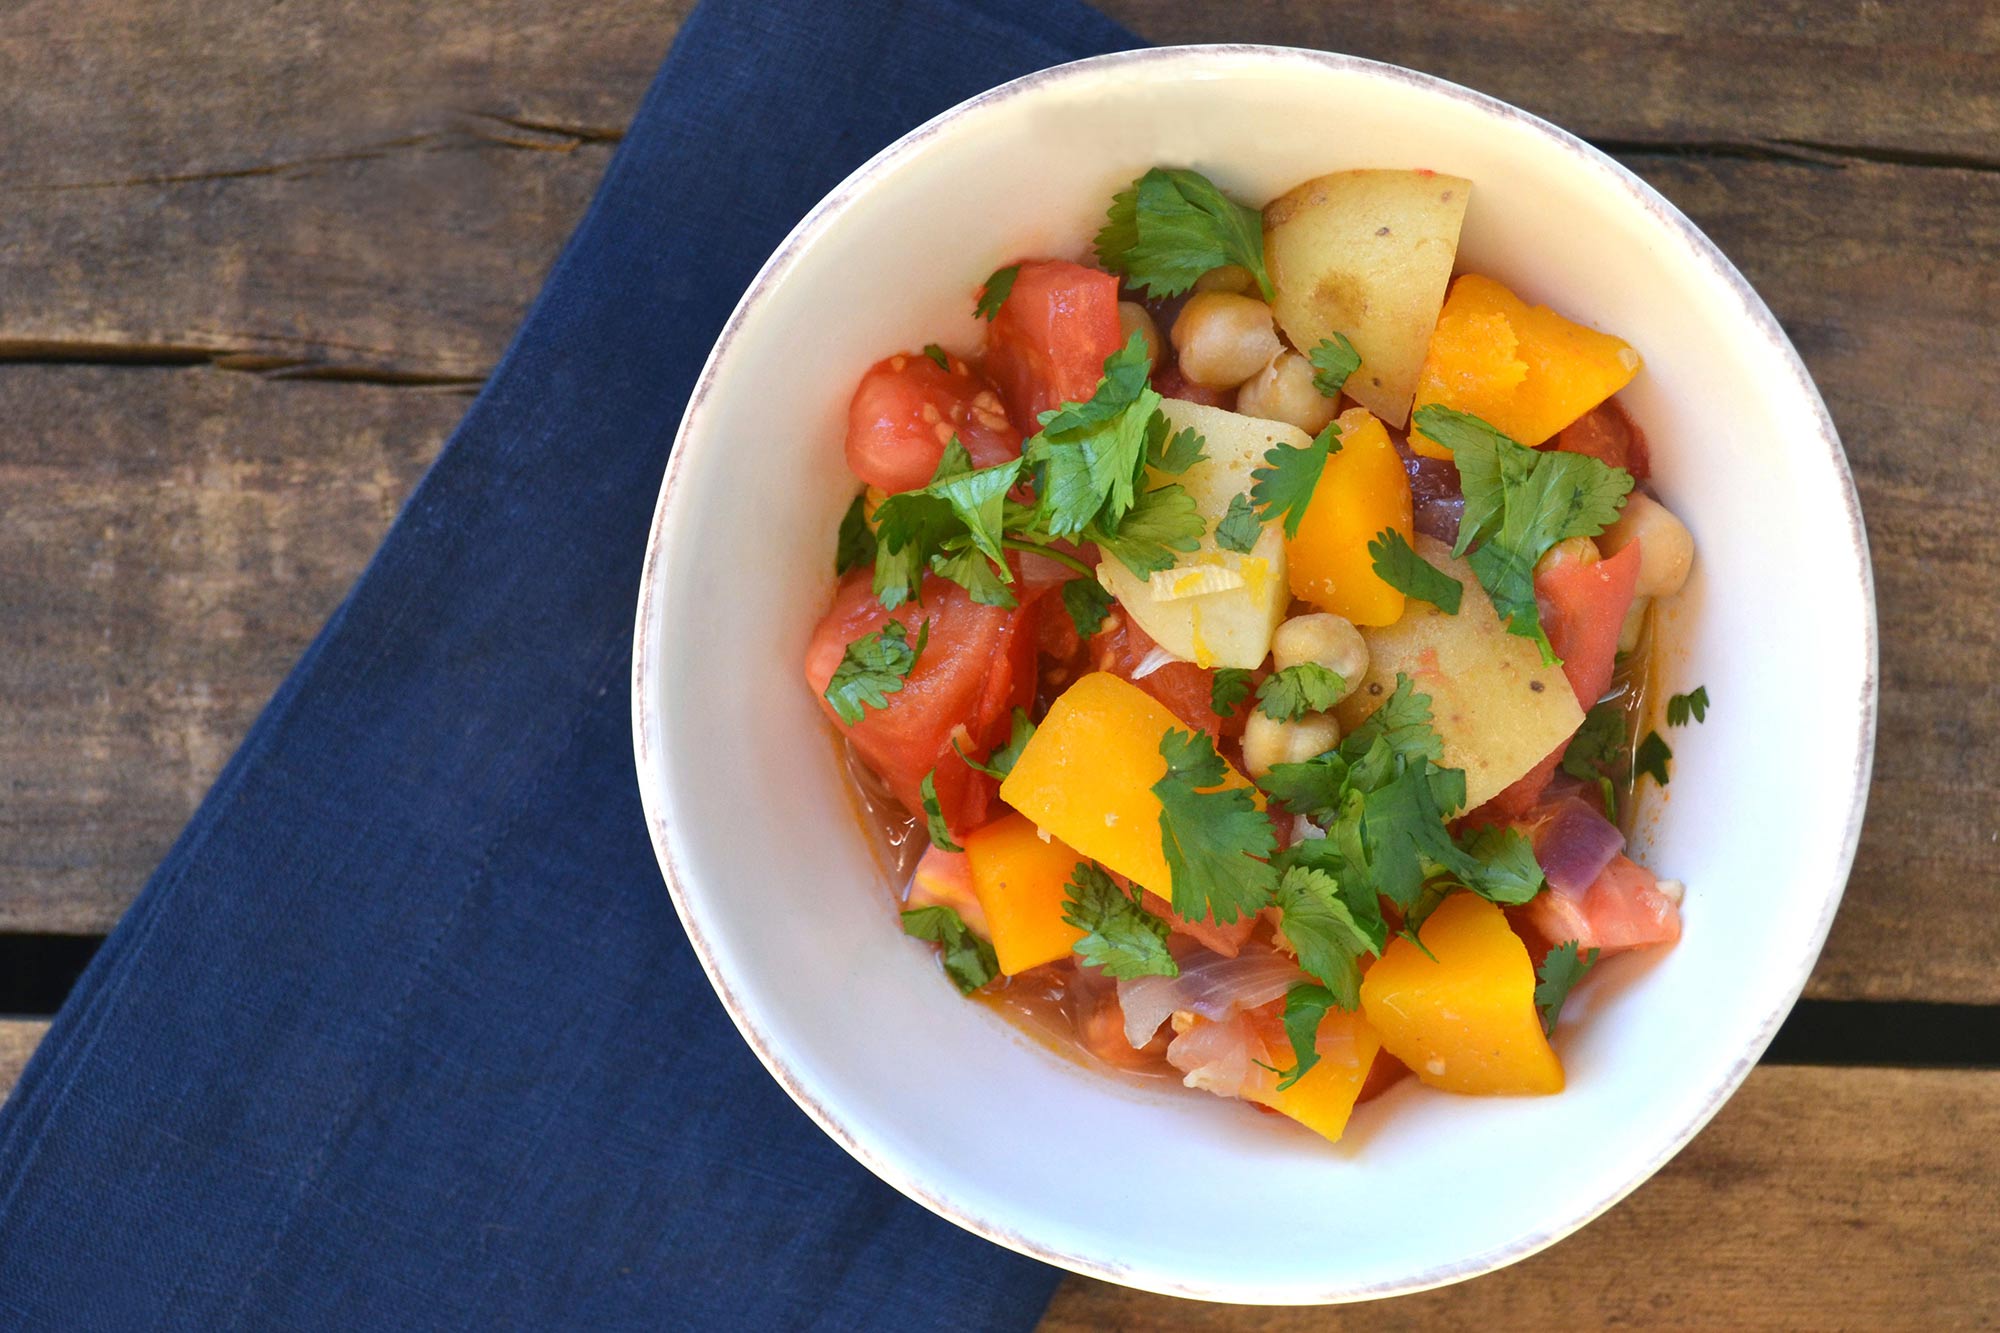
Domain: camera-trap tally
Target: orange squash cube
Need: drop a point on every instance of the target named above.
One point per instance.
(1022, 882)
(1086, 777)
(1524, 369)
(1464, 1020)
(1323, 1100)
(1362, 490)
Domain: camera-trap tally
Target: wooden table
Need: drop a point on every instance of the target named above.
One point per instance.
(254, 259)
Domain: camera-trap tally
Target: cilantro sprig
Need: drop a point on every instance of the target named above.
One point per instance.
(1088, 603)
(1217, 842)
(1652, 757)
(1597, 752)
(1322, 928)
(872, 668)
(1694, 704)
(1170, 226)
(1239, 527)
(1398, 565)
(855, 546)
(934, 825)
(1305, 1008)
(1121, 937)
(1332, 362)
(1001, 762)
(1230, 687)
(1284, 485)
(994, 291)
(1519, 502)
(1558, 974)
(1305, 687)
(969, 959)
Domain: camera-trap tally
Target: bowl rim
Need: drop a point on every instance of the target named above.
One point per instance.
(646, 688)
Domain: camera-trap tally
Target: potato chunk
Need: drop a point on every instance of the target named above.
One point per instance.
(1498, 710)
(1367, 254)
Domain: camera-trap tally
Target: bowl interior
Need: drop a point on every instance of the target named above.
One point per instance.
(1156, 1186)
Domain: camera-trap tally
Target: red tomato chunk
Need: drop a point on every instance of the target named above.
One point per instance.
(908, 408)
(1047, 345)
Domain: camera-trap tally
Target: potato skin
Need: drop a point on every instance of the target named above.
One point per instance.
(1367, 254)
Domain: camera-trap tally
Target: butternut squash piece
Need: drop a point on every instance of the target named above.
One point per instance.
(1524, 369)
(1498, 710)
(1323, 1100)
(1363, 490)
(1087, 776)
(1021, 882)
(1464, 1019)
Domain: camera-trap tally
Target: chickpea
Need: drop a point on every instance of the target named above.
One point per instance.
(1133, 317)
(1635, 623)
(1573, 551)
(1266, 743)
(1283, 391)
(1666, 549)
(1224, 339)
(1228, 278)
(1330, 640)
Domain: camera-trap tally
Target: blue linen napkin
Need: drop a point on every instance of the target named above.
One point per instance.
(404, 1032)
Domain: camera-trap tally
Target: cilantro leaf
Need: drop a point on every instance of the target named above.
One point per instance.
(934, 815)
(1230, 687)
(1683, 706)
(1560, 971)
(968, 959)
(1500, 865)
(1120, 936)
(1398, 565)
(1404, 720)
(1313, 788)
(1329, 941)
(977, 498)
(1519, 502)
(1217, 842)
(872, 668)
(1240, 527)
(980, 577)
(993, 294)
(1402, 826)
(855, 546)
(1651, 758)
(1087, 603)
(1285, 484)
(1171, 226)
(1291, 693)
(1001, 762)
(1305, 1006)
(937, 354)
(1598, 743)
(1091, 454)
(1178, 454)
(955, 526)
(1333, 361)
(1163, 521)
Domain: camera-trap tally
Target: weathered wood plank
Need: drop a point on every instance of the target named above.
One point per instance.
(1818, 1198)
(136, 691)
(18, 1039)
(172, 538)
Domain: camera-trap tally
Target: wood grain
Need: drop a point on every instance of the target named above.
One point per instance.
(1817, 1199)
(18, 1039)
(232, 192)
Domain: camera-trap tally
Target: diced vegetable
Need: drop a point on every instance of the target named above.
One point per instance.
(1523, 369)
(1497, 709)
(1087, 776)
(1362, 490)
(944, 879)
(1624, 908)
(1188, 691)
(1324, 1098)
(1019, 880)
(1668, 547)
(1367, 254)
(1230, 627)
(907, 408)
(1047, 344)
(1463, 1017)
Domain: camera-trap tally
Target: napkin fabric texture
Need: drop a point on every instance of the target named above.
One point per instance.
(404, 1033)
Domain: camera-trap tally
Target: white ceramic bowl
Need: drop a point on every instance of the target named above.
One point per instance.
(1159, 1187)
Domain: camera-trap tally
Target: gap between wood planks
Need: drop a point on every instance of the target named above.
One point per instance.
(37, 972)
